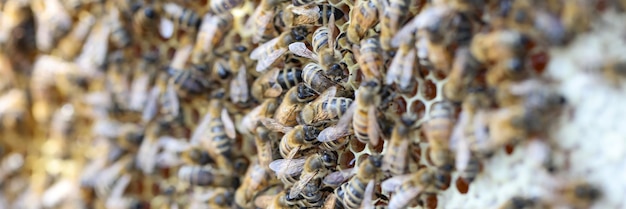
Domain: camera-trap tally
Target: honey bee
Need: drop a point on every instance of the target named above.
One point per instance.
(280, 200)
(315, 168)
(185, 18)
(256, 178)
(401, 70)
(395, 13)
(309, 15)
(266, 109)
(211, 32)
(464, 71)
(216, 131)
(408, 187)
(239, 92)
(196, 156)
(311, 194)
(352, 193)
(370, 58)
(265, 145)
(130, 137)
(395, 161)
(504, 48)
(120, 36)
(580, 194)
(261, 22)
(362, 17)
(270, 51)
(220, 198)
(365, 120)
(323, 49)
(204, 176)
(69, 46)
(314, 76)
(272, 83)
(292, 104)
(326, 108)
(146, 22)
(299, 138)
(224, 6)
(437, 130)
(53, 21)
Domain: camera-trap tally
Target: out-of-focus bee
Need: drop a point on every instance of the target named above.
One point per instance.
(337, 144)
(270, 51)
(395, 161)
(362, 18)
(292, 104)
(352, 193)
(324, 52)
(408, 187)
(464, 71)
(614, 71)
(395, 13)
(224, 6)
(518, 202)
(315, 168)
(53, 21)
(14, 114)
(280, 200)
(299, 138)
(437, 130)
(185, 18)
(261, 23)
(239, 91)
(146, 22)
(117, 199)
(265, 110)
(309, 15)
(506, 50)
(314, 76)
(120, 36)
(210, 34)
(187, 81)
(370, 58)
(216, 131)
(326, 108)
(256, 179)
(402, 70)
(580, 194)
(130, 137)
(365, 120)
(196, 156)
(205, 176)
(220, 198)
(70, 45)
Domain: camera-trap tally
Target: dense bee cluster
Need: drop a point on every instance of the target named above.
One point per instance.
(306, 104)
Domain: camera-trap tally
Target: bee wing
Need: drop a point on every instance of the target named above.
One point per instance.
(459, 143)
(331, 32)
(147, 155)
(405, 33)
(274, 125)
(305, 178)
(287, 166)
(367, 195)
(172, 100)
(374, 129)
(338, 177)
(395, 69)
(393, 183)
(240, 83)
(407, 68)
(402, 199)
(399, 158)
(341, 129)
(258, 52)
(329, 93)
(268, 60)
(257, 175)
(151, 106)
(229, 125)
(260, 19)
(299, 48)
(200, 129)
(249, 121)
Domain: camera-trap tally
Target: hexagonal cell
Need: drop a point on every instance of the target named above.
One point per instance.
(378, 148)
(356, 145)
(346, 160)
(418, 108)
(429, 89)
(462, 186)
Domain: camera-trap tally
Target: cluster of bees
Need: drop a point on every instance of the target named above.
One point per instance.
(275, 103)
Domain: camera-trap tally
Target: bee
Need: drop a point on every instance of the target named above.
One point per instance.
(326, 108)
(272, 83)
(395, 13)
(53, 20)
(120, 36)
(280, 200)
(312, 195)
(464, 71)
(256, 179)
(130, 137)
(580, 194)
(261, 23)
(408, 187)
(335, 145)
(224, 6)
(314, 76)
(239, 92)
(395, 161)
(220, 198)
(14, 115)
(292, 104)
(518, 202)
(211, 32)
(506, 50)
(362, 17)
(267, 54)
(370, 58)
(365, 120)
(437, 130)
(614, 71)
(323, 49)
(309, 15)
(402, 70)
(215, 131)
(265, 110)
(69, 46)
(196, 156)
(298, 138)
(352, 193)
(146, 21)
(185, 18)
(265, 144)
(204, 176)
(315, 168)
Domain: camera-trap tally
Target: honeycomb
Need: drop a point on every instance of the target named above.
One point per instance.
(177, 104)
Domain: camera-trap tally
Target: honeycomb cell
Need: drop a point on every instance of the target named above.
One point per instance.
(356, 145)
(429, 90)
(378, 148)
(462, 186)
(346, 160)
(418, 108)
(430, 201)
(539, 61)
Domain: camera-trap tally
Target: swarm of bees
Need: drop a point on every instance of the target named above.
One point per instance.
(278, 103)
